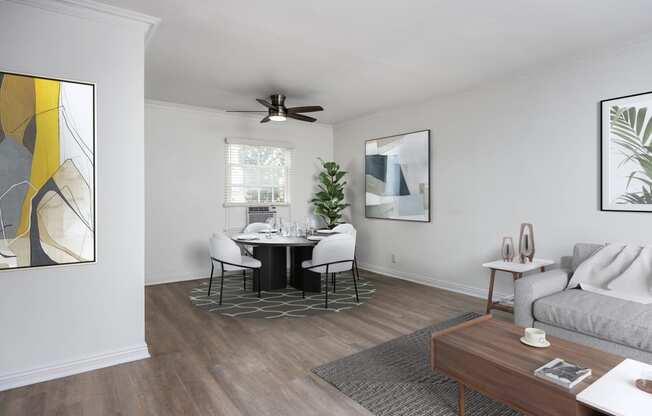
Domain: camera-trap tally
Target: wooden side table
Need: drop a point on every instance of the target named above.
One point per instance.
(517, 270)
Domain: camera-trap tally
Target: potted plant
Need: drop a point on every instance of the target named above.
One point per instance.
(329, 200)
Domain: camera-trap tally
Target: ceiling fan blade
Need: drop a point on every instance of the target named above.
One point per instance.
(244, 111)
(265, 103)
(265, 120)
(300, 117)
(307, 109)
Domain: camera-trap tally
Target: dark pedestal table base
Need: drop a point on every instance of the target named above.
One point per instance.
(273, 273)
(299, 277)
(272, 253)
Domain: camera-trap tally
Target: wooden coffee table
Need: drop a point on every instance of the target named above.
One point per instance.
(486, 355)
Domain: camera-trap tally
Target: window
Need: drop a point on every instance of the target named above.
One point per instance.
(257, 173)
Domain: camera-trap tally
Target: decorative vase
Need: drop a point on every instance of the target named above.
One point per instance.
(526, 243)
(644, 385)
(508, 249)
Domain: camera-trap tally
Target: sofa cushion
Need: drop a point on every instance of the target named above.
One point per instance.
(604, 317)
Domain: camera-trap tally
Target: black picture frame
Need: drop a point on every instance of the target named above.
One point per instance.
(93, 86)
(429, 218)
(605, 106)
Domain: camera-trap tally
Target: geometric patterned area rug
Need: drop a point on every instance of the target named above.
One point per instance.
(395, 379)
(281, 303)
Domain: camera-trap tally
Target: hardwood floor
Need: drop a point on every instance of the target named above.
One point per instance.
(206, 364)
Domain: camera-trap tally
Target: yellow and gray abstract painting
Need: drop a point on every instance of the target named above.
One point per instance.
(47, 172)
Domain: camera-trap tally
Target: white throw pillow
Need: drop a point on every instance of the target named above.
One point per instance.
(603, 266)
(637, 278)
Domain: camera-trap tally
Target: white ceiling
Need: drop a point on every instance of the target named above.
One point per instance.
(356, 57)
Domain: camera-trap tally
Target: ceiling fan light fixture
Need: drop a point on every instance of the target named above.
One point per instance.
(277, 111)
(277, 114)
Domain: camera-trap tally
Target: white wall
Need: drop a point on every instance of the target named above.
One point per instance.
(185, 180)
(520, 149)
(56, 321)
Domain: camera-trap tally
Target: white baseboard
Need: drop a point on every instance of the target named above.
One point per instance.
(185, 277)
(68, 368)
(411, 277)
(432, 282)
(174, 279)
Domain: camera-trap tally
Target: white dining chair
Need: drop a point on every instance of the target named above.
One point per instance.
(253, 228)
(345, 229)
(350, 230)
(330, 256)
(227, 253)
(256, 227)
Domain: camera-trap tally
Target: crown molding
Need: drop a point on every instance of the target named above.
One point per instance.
(96, 11)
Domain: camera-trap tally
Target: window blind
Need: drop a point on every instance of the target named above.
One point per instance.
(257, 173)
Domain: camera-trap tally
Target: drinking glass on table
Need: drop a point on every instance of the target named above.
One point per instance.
(309, 227)
(285, 228)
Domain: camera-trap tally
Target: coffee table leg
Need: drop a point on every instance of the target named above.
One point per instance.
(490, 300)
(460, 399)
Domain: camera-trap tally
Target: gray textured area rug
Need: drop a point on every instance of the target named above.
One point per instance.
(281, 303)
(395, 379)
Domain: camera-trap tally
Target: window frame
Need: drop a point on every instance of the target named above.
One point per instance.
(228, 187)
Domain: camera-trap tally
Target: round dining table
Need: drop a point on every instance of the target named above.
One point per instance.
(272, 251)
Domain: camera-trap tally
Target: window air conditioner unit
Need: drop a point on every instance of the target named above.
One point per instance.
(260, 214)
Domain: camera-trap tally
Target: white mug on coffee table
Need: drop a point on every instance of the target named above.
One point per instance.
(535, 337)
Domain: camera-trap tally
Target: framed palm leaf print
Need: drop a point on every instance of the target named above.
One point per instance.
(626, 147)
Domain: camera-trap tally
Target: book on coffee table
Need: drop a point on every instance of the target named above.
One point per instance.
(563, 373)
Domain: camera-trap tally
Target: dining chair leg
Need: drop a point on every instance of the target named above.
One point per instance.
(326, 289)
(222, 283)
(257, 272)
(244, 279)
(355, 266)
(355, 284)
(210, 282)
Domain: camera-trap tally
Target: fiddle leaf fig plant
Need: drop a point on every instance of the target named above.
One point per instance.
(329, 200)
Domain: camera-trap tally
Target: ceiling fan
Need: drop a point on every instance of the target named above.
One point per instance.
(277, 111)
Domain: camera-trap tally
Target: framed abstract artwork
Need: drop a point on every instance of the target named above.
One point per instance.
(47, 172)
(397, 177)
(626, 153)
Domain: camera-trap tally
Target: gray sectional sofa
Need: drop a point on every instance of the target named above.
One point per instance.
(542, 301)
